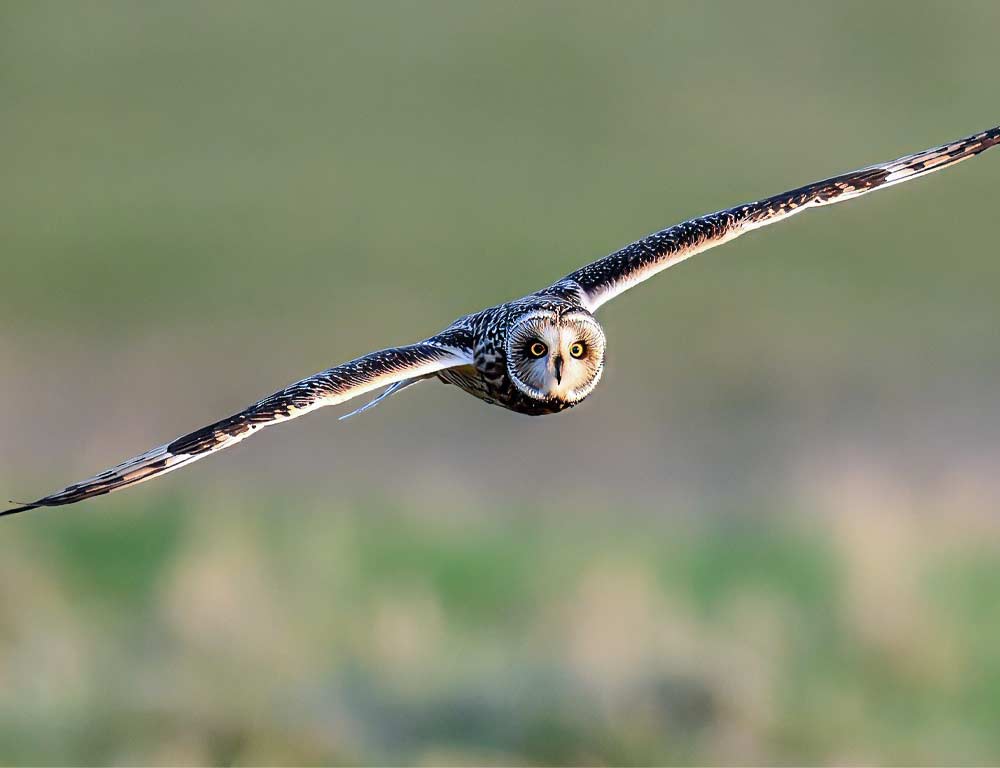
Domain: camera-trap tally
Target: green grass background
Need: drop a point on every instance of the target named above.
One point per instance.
(770, 536)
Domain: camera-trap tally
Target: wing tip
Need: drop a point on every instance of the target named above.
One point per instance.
(22, 508)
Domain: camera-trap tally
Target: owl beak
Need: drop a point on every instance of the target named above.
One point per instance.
(558, 362)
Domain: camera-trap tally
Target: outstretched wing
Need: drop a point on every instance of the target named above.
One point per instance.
(329, 387)
(605, 278)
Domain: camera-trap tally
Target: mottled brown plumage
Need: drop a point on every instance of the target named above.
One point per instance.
(537, 355)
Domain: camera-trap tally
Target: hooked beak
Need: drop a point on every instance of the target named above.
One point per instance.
(558, 362)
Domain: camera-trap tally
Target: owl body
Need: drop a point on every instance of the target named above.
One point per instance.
(487, 334)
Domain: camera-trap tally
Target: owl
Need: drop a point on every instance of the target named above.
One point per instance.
(537, 355)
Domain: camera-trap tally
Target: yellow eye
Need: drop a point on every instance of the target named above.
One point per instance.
(537, 349)
(577, 349)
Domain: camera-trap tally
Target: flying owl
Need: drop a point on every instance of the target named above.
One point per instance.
(536, 355)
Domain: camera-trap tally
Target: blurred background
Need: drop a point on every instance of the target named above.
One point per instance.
(771, 535)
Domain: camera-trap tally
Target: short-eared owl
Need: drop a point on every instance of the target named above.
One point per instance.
(539, 354)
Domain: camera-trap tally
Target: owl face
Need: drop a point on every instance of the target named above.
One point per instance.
(552, 356)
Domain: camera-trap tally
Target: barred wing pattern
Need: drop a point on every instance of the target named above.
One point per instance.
(478, 340)
(330, 387)
(606, 278)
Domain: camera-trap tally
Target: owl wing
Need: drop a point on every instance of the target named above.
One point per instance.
(605, 278)
(330, 387)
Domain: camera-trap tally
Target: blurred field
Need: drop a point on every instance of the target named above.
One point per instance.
(770, 536)
(178, 633)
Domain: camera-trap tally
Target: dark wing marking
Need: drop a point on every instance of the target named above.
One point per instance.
(606, 278)
(325, 388)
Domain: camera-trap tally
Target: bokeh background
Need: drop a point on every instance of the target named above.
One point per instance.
(771, 535)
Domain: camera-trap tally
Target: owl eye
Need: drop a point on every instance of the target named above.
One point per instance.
(537, 349)
(577, 349)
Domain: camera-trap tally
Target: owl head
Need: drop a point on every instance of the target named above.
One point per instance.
(556, 355)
